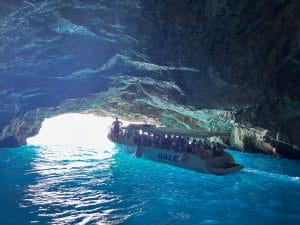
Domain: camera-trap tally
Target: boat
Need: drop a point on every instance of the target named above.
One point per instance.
(146, 141)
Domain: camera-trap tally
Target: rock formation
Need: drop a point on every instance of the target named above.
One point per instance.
(210, 65)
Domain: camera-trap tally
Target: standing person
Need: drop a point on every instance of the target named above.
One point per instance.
(116, 128)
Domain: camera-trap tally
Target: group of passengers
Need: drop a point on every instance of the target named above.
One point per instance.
(179, 144)
(171, 142)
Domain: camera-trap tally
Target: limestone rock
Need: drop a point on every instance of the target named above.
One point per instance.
(195, 64)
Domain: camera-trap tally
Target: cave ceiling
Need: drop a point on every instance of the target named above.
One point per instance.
(175, 61)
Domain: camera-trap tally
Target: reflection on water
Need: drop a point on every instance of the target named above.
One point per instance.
(76, 151)
(68, 188)
(68, 184)
(74, 173)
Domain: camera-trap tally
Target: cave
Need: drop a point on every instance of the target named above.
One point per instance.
(69, 68)
(229, 66)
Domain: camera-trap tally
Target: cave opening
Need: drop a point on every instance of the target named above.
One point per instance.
(74, 129)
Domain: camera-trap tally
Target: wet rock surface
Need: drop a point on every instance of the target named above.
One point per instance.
(208, 65)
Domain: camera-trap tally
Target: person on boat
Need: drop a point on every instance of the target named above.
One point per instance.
(193, 146)
(174, 144)
(219, 149)
(213, 146)
(137, 139)
(216, 150)
(156, 140)
(199, 150)
(116, 128)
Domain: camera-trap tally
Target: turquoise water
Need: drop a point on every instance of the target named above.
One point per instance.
(67, 185)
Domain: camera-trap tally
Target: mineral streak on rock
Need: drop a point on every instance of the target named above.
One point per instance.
(208, 65)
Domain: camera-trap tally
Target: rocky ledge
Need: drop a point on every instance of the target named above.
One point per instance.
(211, 65)
(140, 99)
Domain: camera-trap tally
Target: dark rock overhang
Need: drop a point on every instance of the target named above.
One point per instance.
(195, 64)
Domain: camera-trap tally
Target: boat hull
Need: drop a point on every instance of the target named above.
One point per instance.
(217, 165)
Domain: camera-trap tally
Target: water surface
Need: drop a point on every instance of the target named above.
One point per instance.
(69, 185)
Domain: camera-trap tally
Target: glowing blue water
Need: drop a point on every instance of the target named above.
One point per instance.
(60, 185)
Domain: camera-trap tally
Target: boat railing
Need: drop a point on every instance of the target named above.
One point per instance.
(148, 131)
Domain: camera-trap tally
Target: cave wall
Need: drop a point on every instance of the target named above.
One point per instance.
(241, 57)
(250, 44)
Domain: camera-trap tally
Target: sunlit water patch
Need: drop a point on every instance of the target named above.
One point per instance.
(68, 184)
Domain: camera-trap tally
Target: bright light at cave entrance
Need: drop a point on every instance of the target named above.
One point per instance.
(73, 129)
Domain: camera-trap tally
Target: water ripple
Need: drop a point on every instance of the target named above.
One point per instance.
(94, 186)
